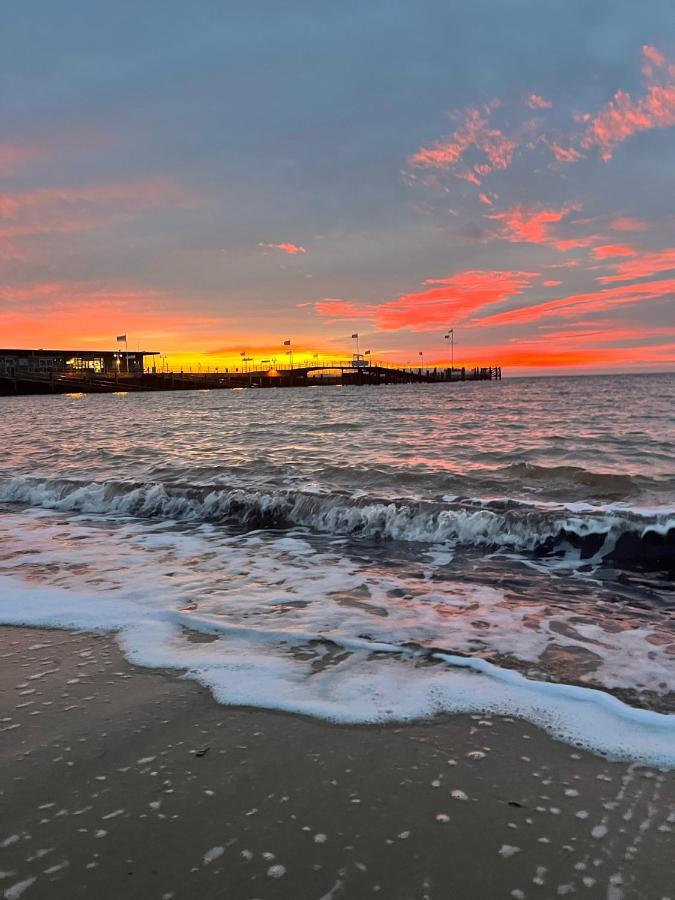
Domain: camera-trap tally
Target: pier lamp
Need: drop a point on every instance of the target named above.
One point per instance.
(450, 336)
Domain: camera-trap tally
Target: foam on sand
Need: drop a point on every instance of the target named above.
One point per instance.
(373, 682)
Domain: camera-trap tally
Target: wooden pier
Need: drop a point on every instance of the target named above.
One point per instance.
(303, 376)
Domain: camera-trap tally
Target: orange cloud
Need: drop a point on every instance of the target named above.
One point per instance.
(451, 299)
(644, 266)
(89, 313)
(291, 249)
(551, 283)
(475, 133)
(532, 355)
(534, 101)
(445, 300)
(623, 116)
(344, 309)
(606, 251)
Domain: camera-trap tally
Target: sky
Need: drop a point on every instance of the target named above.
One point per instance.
(213, 179)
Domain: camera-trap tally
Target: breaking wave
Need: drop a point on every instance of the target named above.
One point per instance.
(622, 536)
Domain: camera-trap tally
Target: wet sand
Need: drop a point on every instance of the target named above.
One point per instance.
(119, 781)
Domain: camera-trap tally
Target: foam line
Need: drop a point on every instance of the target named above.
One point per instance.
(247, 667)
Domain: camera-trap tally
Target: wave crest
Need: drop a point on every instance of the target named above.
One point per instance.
(626, 537)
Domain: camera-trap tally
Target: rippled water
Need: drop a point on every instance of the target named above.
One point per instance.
(365, 553)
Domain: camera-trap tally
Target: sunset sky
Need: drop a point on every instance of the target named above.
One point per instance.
(216, 178)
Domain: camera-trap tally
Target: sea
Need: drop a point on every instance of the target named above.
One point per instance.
(366, 554)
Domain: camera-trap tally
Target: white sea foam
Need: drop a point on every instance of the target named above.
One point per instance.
(303, 628)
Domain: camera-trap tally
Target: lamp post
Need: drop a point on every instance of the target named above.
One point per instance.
(451, 337)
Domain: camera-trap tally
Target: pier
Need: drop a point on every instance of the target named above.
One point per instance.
(103, 372)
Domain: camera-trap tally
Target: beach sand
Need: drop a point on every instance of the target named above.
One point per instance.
(119, 781)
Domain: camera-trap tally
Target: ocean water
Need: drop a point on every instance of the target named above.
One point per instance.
(366, 554)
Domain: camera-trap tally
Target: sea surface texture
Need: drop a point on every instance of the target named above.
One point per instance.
(366, 554)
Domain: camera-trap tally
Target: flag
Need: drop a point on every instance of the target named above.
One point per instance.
(121, 338)
(367, 353)
(287, 343)
(355, 335)
(421, 352)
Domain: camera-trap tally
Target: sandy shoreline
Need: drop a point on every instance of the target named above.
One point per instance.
(120, 781)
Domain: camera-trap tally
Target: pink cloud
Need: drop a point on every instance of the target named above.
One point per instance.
(582, 303)
(532, 225)
(474, 133)
(534, 101)
(627, 223)
(562, 154)
(624, 116)
(551, 283)
(291, 249)
(643, 266)
(607, 251)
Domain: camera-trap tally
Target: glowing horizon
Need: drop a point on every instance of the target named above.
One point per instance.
(518, 195)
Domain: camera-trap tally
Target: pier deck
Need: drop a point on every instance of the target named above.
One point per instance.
(92, 383)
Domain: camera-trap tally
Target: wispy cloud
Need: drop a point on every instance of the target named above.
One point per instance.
(627, 223)
(442, 301)
(643, 266)
(334, 308)
(581, 303)
(625, 116)
(530, 225)
(494, 150)
(291, 249)
(534, 101)
(75, 208)
(608, 251)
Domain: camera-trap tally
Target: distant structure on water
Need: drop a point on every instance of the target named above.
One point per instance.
(111, 371)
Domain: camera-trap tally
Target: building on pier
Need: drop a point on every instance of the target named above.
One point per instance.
(15, 363)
